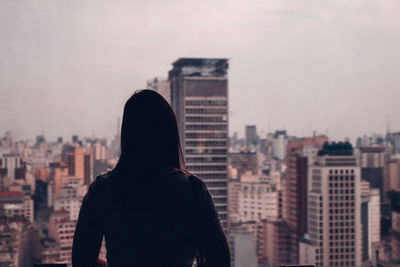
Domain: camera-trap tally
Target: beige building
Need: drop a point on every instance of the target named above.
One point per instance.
(79, 164)
(16, 204)
(71, 195)
(258, 197)
(61, 229)
(394, 173)
(334, 210)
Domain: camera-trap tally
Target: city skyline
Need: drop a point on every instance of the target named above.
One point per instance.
(68, 67)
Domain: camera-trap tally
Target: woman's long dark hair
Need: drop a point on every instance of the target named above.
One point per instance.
(149, 136)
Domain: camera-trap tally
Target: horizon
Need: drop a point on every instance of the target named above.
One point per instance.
(68, 66)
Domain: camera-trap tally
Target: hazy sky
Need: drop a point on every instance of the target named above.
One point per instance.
(67, 66)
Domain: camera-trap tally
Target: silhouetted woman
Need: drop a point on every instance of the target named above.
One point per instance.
(150, 211)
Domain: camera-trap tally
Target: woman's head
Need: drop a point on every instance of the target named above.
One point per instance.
(149, 134)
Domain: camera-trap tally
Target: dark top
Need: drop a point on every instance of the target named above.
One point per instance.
(158, 224)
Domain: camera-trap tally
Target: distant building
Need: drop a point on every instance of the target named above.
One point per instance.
(396, 142)
(19, 242)
(372, 160)
(12, 166)
(233, 195)
(258, 198)
(79, 164)
(394, 173)
(334, 209)
(276, 241)
(299, 155)
(370, 219)
(16, 204)
(244, 162)
(161, 86)
(251, 137)
(243, 248)
(61, 229)
(71, 195)
(50, 250)
(279, 145)
(199, 97)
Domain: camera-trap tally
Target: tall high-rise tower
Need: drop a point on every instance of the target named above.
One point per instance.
(199, 97)
(334, 209)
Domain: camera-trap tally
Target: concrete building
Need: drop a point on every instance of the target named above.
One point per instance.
(199, 97)
(370, 219)
(244, 162)
(61, 229)
(161, 86)
(233, 196)
(50, 251)
(243, 248)
(276, 241)
(12, 166)
(19, 242)
(396, 143)
(279, 145)
(71, 195)
(251, 137)
(16, 204)
(334, 209)
(299, 155)
(258, 197)
(394, 173)
(372, 160)
(99, 151)
(79, 164)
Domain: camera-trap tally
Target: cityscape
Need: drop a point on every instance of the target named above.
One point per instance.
(282, 199)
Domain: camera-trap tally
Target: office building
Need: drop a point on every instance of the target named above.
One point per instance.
(12, 166)
(243, 248)
(279, 144)
(19, 242)
(79, 164)
(16, 204)
(244, 162)
(371, 160)
(251, 137)
(199, 97)
(299, 154)
(276, 241)
(394, 173)
(370, 219)
(61, 229)
(258, 198)
(71, 195)
(334, 209)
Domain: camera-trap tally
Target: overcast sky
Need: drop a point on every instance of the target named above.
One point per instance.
(67, 66)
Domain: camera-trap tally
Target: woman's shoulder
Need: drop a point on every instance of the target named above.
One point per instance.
(99, 183)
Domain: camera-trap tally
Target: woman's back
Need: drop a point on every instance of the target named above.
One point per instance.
(152, 226)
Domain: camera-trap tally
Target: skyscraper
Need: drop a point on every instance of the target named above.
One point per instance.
(299, 155)
(199, 97)
(334, 209)
(251, 137)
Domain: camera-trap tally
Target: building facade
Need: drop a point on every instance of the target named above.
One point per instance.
(334, 209)
(199, 97)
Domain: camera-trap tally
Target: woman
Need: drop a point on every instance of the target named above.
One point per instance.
(150, 211)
